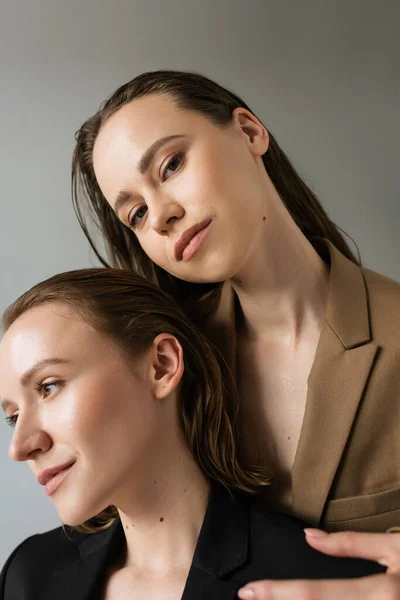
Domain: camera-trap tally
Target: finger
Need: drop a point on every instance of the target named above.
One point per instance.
(366, 588)
(383, 548)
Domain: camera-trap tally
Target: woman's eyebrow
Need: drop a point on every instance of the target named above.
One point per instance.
(143, 166)
(145, 161)
(28, 375)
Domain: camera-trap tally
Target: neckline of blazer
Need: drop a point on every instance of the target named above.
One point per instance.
(347, 309)
(222, 547)
(345, 353)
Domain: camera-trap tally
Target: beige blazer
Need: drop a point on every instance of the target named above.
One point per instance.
(346, 472)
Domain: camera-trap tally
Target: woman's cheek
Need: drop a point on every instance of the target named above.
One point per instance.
(155, 247)
(71, 414)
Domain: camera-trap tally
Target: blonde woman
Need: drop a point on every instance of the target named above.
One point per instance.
(122, 413)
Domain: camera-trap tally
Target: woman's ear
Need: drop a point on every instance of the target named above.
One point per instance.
(255, 132)
(166, 364)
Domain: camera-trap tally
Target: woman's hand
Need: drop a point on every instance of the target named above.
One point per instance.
(383, 548)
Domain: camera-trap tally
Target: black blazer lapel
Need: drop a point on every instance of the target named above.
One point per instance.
(222, 547)
(201, 585)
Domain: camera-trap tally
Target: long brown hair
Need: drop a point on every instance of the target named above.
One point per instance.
(195, 92)
(132, 312)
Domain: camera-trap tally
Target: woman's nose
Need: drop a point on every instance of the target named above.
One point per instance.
(27, 440)
(164, 214)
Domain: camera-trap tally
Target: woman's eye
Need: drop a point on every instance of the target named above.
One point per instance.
(12, 421)
(137, 216)
(173, 165)
(46, 389)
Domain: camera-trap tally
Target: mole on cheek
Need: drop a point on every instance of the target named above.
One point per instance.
(264, 218)
(161, 519)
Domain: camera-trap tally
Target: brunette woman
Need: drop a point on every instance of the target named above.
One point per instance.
(190, 189)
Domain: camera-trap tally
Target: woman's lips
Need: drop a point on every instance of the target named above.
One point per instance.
(54, 483)
(191, 240)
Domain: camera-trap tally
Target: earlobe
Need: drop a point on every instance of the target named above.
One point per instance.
(254, 130)
(167, 364)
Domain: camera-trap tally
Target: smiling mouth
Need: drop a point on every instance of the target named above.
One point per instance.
(191, 240)
(54, 483)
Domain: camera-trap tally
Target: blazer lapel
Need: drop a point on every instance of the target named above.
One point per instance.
(222, 547)
(79, 578)
(343, 362)
(78, 581)
(201, 586)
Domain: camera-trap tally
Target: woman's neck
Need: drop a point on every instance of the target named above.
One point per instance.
(283, 286)
(163, 523)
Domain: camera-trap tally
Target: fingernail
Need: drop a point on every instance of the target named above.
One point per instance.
(315, 533)
(246, 593)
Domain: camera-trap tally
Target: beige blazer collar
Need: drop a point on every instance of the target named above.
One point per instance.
(347, 311)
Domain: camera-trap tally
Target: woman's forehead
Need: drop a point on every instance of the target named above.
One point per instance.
(41, 330)
(148, 117)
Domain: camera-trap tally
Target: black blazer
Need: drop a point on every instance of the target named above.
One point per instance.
(239, 542)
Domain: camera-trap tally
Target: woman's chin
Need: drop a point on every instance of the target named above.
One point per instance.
(74, 518)
(213, 273)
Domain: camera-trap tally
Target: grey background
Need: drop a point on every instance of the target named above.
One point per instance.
(322, 75)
